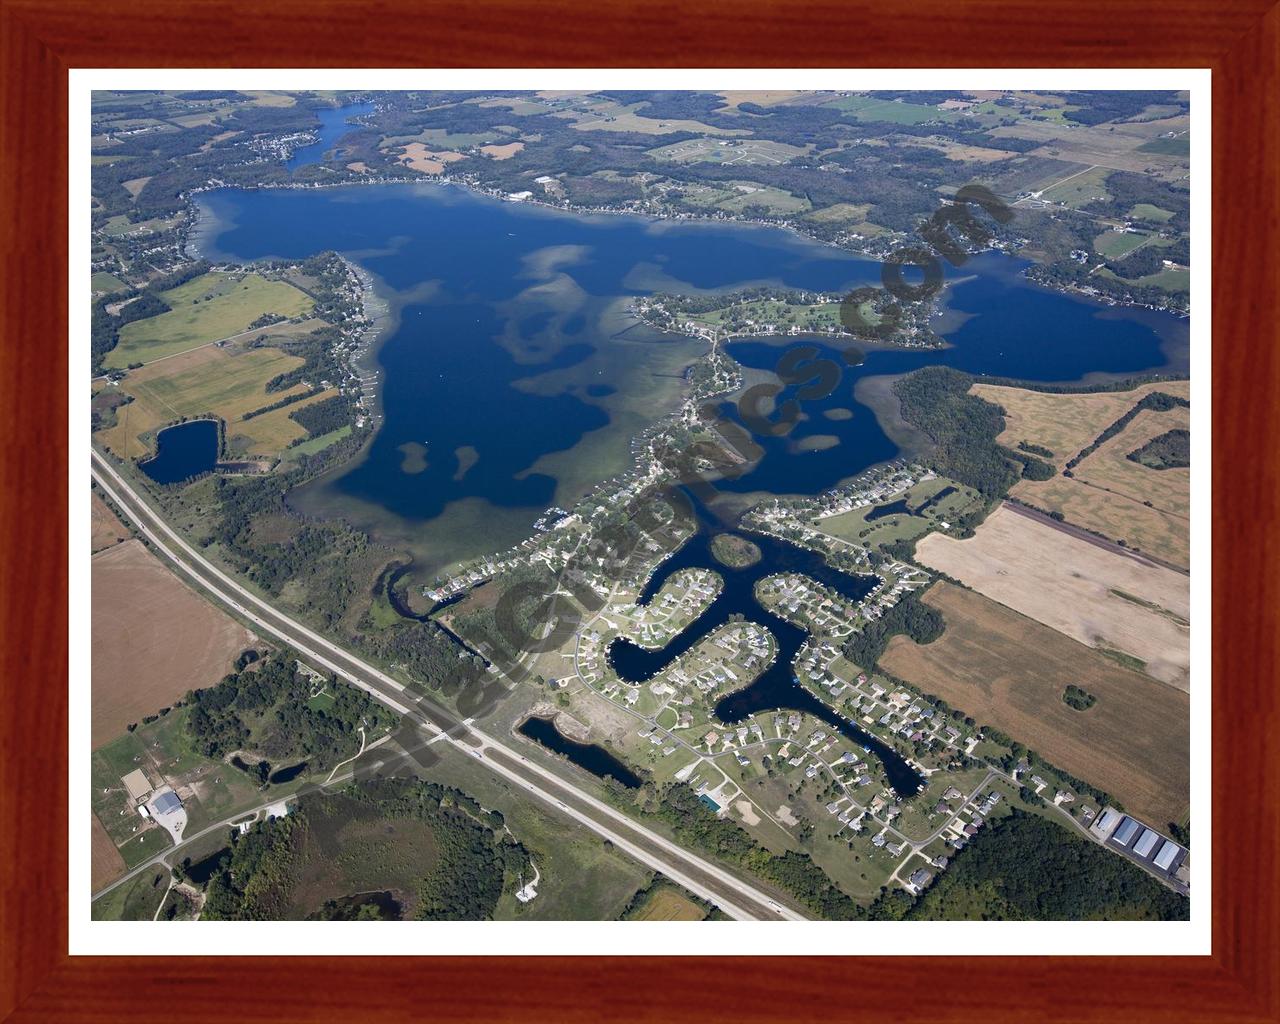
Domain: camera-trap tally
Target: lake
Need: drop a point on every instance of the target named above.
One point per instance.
(512, 379)
(334, 123)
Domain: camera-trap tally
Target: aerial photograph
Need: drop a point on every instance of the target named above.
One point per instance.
(609, 505)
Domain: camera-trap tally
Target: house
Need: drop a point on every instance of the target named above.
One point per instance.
(921, 877)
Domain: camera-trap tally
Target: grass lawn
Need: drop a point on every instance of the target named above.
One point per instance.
(854, 526)
(135, 900)
(865, 108)
(1114, 244)
(211, 307)
(318, 444)
(1145, 211)
(145, 845)
(108, 283)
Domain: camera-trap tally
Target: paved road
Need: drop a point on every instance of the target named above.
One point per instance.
(734, 896)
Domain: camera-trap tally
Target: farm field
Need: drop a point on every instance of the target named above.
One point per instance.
(105, 862)
(1169, 490)
(868, 108)
(1065, 424)
(728, 151)
(153, 639)
(211, 307)
(1114, 244)
(1080, 189)
(105, 528)
(1108, 493)
(1099, 597)
(1115, 516)
(1010, 672)
(215, 381)
(272, 432)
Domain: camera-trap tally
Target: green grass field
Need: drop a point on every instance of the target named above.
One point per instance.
(854, 527)
(318, 444)
(210, 381)
(1114, 244)
(1080, 189)
(865, 108)
(135, 900)
(774, 199)
(1145, 211)
(1178, 146)
(210, 308)
(108, 283)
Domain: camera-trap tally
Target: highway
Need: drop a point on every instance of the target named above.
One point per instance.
(735, 897)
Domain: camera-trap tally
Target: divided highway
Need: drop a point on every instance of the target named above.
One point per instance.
(737, 898)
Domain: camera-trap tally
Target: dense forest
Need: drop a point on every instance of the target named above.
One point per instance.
(1024, 867)
(910, 615)
(1171, 450)
(274, 695)
(963, 429)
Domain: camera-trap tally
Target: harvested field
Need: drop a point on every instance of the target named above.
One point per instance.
(105, 527)
(1065, 424)
(1010, 672)
(1080, 589)
(105, 862)
(272, 432)
(153, 639)
(1116, 516)
(1107, 493)
(1110, 468)
(502, 152)
(417, 156)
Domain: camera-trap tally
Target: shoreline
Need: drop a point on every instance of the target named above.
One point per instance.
(379, 313)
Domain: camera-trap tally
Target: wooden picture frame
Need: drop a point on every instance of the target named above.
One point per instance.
(43, 39)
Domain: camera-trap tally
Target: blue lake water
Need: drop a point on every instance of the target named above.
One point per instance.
(183, 451)
(512, 365)
(334, 123)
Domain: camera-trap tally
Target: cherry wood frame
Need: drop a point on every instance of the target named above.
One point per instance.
(41, 39)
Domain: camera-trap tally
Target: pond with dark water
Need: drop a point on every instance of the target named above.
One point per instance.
(183, 451)
(589, 756)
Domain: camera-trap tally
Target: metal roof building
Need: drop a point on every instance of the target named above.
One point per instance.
(1147, 843)
(1128, 828)
(1164, 859)
(166, 803)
